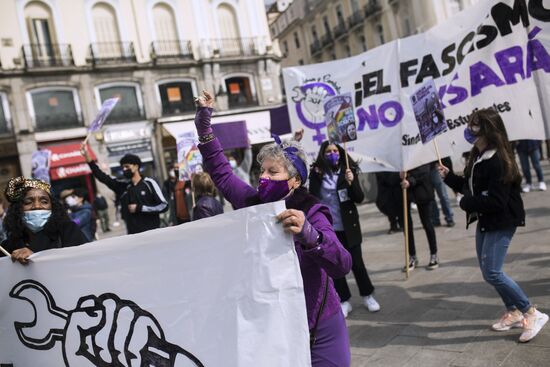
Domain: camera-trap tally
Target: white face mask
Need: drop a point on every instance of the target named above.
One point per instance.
(71, 201)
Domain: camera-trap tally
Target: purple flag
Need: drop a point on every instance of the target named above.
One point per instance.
(104, 112)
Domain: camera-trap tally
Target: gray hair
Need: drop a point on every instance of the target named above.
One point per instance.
(276, 152)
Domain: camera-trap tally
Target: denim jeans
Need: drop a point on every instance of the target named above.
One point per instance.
(535, 160)
(441, 190)
(491, 250)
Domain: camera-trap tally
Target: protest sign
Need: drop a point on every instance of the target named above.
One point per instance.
(340, 118)
(219, 298)
(189, 156)
(40, 164)
(494, 54)
(428, 112)
(104, 112)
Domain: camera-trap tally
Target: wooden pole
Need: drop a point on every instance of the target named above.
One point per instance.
(5, 252)
(406, 228)
(437, 151)
(86, 139)
(347, 159)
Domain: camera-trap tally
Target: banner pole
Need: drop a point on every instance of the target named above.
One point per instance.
(86, 139)
(5, 252)
(437, 151)
(347, 159)
(406, 228)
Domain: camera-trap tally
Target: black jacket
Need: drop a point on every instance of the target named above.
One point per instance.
(207, 206)
(146, 194)
(496, 204)
(348, 209)
(389, 197)
(421, 190)
(66, 234)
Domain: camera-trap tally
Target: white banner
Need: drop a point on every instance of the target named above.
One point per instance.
(192, 295)
(494, 54)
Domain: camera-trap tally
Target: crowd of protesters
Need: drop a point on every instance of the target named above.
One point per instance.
(321, 213)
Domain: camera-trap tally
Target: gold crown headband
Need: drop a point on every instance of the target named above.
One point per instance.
(18, 186)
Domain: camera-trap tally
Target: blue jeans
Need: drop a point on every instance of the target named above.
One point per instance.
(535, 160)
(441, 190)
(491, 250)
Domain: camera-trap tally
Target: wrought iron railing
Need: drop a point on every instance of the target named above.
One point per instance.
(171, 50)
(229, 47)
(47, 55)
(112, 53)
(327, 39)
(57, 121)
(340, 30)
(355, 19)
(372, 8)
(315, 47)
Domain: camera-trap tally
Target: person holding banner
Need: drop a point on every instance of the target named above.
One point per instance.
(338, 188)
(321, 256)
(35, 221)
(492, 196)
(141, 198)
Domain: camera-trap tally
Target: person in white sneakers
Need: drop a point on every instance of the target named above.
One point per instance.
(492, 195)
(337, 187)
(530, 149)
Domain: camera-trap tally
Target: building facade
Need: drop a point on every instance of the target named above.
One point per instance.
(60, 59)
(313, 31)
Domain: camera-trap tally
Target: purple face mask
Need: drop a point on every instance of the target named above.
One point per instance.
(333, 158)
(469, 136)
(272, 190)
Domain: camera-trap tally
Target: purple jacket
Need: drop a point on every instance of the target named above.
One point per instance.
(329, 257)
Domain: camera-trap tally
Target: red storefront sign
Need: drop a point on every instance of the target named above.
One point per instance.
(66, 161)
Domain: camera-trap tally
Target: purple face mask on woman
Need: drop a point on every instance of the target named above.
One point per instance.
(272, 190)
(332, 158)
(469, 135)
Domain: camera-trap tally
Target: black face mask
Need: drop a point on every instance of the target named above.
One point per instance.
(128, 173)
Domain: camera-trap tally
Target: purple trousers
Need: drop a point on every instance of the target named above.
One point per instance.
(332, 346)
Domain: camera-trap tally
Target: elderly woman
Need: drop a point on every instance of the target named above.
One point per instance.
(321, 256)
(35, 221)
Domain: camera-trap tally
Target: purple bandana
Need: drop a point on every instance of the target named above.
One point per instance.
(292, 154)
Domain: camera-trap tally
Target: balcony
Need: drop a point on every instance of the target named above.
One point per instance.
(315, 47)
(356, 19)
(169, 51)
(340, 30)
(372, 8)
(234, 47)
(327, 39)
(112, 53)
(48, 122)
(47, 55)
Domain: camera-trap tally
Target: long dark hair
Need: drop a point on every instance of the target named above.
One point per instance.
(15, 227)
(322, 165)
(491, 128)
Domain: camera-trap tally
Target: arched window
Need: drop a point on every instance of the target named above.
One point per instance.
(107, 35)
(227, 22)
(240, 92)
(165, 23)
(55, 108)
(176, 96)
(130, 104)
(41, 30)
(5, 118)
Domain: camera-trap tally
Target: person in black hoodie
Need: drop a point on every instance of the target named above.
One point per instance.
(141, 199)
(491, 186)
(339, 189)
(35, 221)
(420, 190)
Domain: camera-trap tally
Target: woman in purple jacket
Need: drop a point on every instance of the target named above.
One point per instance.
(321, 256)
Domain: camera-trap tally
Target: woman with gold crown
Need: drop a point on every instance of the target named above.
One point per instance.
(35, 221)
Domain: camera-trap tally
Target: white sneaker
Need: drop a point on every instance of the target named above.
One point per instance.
(526, 187)
(510, 319)
(346, 308)
(542, 186)
(532, 323)
(371, 304)
(413, 206)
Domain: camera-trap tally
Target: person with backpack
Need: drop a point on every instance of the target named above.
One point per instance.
(102, 210)
(141, 198)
